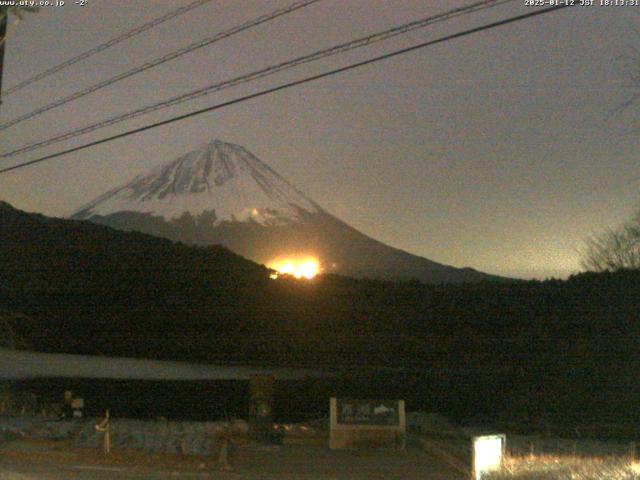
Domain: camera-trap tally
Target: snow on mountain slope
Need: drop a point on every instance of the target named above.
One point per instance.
(220, 177)
(222, 194)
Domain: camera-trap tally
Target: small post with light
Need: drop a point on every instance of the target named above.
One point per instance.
(487, 452)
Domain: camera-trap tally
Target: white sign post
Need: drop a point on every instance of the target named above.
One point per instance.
(488, 451)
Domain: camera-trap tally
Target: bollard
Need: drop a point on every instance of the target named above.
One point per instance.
(223, 458)
(225, 438)
(104, 427)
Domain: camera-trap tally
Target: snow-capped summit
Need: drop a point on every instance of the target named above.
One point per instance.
(222, 194)
(218, 177)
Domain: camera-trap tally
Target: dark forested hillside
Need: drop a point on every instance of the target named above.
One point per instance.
(535, 350)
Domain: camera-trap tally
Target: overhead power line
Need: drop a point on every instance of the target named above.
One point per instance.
(159, 61)
(103, 46)
(264, 72)
(284, 86)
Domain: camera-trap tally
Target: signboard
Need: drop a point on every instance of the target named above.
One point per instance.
(368, 412)
(366, 423)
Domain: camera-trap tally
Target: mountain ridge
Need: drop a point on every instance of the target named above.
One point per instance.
(223, 194)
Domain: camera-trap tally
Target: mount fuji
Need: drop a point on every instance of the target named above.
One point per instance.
(223, 194)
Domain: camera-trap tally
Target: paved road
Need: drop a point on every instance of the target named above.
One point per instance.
(264, 463)
(23, 471)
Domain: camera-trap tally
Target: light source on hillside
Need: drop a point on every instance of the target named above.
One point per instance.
(298, 267)
(487, 454)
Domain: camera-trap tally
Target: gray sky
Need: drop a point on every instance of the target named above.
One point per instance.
(497, 151)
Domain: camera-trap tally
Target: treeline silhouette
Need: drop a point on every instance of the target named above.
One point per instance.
(552, 351)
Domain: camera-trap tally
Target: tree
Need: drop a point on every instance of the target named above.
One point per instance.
(615, 248)
(17, 11)
(630, 69)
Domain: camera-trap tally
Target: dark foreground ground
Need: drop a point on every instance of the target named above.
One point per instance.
(30, 460)
(425, 459)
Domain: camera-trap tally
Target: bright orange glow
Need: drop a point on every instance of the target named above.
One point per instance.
(298, 267)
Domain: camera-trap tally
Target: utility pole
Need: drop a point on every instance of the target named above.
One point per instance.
(3, 41)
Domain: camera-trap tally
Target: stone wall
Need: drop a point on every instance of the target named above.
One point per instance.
(157, 436)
